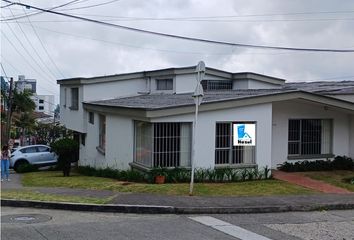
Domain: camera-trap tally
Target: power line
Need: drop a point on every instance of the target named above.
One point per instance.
(29, 64)
(90, 6)
(43, 46)
(34, 49)
(168, 51)
(2, 67)
(39, 12)
(188, 38)
(204, 20)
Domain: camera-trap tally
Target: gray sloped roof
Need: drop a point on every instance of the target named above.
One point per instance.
(323, 87)
(161, 101)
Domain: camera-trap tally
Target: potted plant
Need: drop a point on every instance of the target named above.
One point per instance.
(159, 175)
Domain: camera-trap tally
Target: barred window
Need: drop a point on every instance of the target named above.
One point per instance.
(209, 85)
(226, 153)
(162, 144)
(309, 137)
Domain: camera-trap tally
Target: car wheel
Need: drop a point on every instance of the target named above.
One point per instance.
(20, 163)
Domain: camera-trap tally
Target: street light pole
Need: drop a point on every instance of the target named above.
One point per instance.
(198, 98)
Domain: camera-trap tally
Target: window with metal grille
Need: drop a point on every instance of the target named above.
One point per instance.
(41, 101)
(309, 137)
(209, 85)
(40, 108)
(162, 144)
(164, 84)
(226, 153)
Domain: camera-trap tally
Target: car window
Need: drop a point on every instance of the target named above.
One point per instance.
(29, 150)
(43, 149)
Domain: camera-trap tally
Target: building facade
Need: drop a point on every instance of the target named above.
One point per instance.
(144, 119)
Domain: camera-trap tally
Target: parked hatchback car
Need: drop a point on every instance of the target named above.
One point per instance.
(40, 155)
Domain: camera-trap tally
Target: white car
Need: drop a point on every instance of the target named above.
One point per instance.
(40, 155)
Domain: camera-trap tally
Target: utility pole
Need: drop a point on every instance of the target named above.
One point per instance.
(9, 114)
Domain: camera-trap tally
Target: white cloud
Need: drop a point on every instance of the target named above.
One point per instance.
(135, 51)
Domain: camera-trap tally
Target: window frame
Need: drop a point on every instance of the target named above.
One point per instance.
(91, 117)
(102, 134)
(237, 150)
(169, 154)
(74, 101)
(300, 154)
(166, 84)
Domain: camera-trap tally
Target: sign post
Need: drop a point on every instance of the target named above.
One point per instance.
(198, 98)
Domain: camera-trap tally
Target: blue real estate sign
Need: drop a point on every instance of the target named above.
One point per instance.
(244, 134)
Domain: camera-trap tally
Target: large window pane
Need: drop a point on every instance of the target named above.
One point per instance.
(102, 132)
(143, 143)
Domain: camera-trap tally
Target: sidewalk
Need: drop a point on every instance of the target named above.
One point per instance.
(151, 203)
(301, 180)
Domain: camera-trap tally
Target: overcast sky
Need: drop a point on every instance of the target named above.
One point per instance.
(84, 49)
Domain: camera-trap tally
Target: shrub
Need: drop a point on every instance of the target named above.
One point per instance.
(343, 163)
(179, 175)
(66, 149)
(339, 163)
(26, 167)
(122, 175)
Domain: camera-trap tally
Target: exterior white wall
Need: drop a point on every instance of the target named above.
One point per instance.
(283, 111)
(119, 143)
(205, 142)
(351, 137)
(72, 119)
(76, 119)
(253, 84)
(100, 91)
(89, 156)
(48, 103)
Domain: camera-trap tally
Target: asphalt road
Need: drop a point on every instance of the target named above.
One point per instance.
(27, 223)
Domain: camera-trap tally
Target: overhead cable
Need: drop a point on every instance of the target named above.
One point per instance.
(188, 38)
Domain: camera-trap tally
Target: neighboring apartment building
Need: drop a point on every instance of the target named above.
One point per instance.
(26, 84)
(44, 103)
(144, 119)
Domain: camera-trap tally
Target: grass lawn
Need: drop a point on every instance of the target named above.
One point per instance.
(335, 178)
(251, 188)
(37, 196)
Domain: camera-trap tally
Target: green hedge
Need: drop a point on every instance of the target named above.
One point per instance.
(339, 163)
(179, 175)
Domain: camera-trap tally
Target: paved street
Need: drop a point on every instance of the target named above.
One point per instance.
(27, 223)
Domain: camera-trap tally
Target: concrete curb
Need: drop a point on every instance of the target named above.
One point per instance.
(152, 209)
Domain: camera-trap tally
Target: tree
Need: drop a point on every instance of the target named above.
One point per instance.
(23, 107)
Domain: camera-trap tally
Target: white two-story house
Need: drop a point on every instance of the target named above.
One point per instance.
(144, 119)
